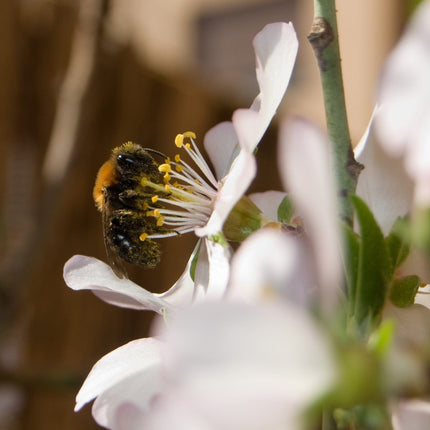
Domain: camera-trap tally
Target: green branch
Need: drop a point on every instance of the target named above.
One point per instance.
(325, 43)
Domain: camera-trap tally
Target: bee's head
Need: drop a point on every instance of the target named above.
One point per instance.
(132, 160)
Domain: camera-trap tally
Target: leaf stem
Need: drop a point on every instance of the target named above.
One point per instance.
(325, 42)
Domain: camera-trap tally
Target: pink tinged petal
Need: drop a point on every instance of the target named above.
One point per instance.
(241, 174)
(133, 395)
(305, 171)
(405, 89)
(383, 184)
(411, 415)
(88, 273)
(270, 264)
(268, 202)
(276, 50)
(113, 373)
(212, 271)
(222, 146)
(128, 416)
(255, 363)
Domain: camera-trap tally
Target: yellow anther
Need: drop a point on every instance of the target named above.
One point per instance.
(166, 178)
(145, 206)
(167, 187)
(164, 168)
(143, 236)
(179, 140)
(188, 146)
(179, 168)
(160, 221)
(154, 199)
(167, 160)
(197, 181)
(157, 213)
(149, 213)
(190, 134)
(144, 181)
(177, 158)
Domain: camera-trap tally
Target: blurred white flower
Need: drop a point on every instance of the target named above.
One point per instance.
(230, 146)
(411, 415)
(403, 125)
(222, 366)
(305, 169)
(383, 183)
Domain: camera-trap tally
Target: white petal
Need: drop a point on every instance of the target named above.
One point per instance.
(222, 146)
(255, 363)
(270, 264)
(412, 415)
(268, 202)
(88, 273)
(237, 182)
(405, 87)
(133, 360)
(305, 171)
(182, 292)
(275, 49)
(383, 184)
(212, 270)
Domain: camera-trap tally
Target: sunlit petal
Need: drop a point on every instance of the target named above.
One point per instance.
(88, 273)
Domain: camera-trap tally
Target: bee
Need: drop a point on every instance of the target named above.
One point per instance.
(122, 197)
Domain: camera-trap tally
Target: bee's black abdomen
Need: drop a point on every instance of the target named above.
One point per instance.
(124, 235)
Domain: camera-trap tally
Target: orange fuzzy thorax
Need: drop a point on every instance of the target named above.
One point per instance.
(106, 176)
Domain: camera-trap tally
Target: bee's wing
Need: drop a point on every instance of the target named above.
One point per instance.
(113, 258)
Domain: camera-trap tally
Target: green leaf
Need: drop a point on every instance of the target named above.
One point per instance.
(351, 244)
(193, 264)
(403, 291)
(243, 220)
(374, 267)
(397, 243)
(285, 210)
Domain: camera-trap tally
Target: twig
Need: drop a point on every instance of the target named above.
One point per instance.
(325, 43)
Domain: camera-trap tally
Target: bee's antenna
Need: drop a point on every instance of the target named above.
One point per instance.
(154, 151)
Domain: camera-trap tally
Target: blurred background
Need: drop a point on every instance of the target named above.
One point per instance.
(77, 78)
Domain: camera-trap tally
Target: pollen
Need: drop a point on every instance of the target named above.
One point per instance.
(177, 158)
(188, 146)
(160, 221)
(164, 168)
(167, 187)
(167, 160)
(143, 236)
(166, 178)
(154, 199)
(149, 213)
(156, 212)
(179, 169)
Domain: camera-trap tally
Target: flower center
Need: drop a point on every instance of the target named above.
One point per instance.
(183, 202)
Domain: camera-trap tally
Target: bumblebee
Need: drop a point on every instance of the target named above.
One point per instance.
(122, 196)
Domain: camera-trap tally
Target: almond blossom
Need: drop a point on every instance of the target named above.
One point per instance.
(230, 146)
